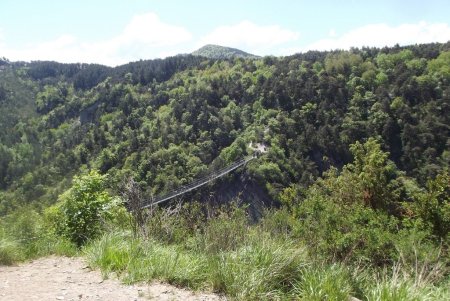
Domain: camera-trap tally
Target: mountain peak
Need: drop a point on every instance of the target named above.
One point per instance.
(222, 52)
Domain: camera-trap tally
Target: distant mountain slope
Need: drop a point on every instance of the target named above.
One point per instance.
(221, 52)
(165, 122)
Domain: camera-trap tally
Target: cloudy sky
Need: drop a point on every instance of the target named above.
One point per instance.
(115, 32)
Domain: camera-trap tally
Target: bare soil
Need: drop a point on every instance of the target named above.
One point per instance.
(62, 278)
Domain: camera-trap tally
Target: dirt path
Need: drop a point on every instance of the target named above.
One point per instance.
(62, 278)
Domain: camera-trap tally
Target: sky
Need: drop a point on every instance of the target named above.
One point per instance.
(114, 32)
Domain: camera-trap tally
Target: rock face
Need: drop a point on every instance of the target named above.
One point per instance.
(221, 52)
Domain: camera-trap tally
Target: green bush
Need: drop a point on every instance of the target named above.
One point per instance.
(10, 252)
(346, 233)
(433, 207)
(84, 208)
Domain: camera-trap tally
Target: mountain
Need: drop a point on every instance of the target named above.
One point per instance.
(166, 122)
(221, 52)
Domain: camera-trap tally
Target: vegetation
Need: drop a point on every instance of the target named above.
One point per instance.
(220, 52)
(357, 165)
(82, 209)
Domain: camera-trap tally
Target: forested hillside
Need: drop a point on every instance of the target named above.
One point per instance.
(356, 171)
(164, 122)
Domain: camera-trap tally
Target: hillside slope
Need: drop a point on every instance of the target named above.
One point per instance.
(165, 122)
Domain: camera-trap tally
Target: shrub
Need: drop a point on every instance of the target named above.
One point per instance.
(10, 252)
(433, 206)
(84, 207)
(227, 231)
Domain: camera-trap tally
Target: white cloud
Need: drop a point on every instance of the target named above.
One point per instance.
(144, 37)
(250, 37)
(380, 35)
(147, 36)
(332, 33)
(1, 41)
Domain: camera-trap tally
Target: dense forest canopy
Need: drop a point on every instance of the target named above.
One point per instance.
(165, 122)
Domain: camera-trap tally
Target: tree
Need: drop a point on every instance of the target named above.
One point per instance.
(375, 172)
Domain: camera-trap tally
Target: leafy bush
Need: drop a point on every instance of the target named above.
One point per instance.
(84, 208)
(352, 234)
(433, 206)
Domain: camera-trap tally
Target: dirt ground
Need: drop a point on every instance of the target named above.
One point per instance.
(62, 278)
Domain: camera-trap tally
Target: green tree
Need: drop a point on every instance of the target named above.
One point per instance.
(433, 206)
(441, 66)
(376, 174)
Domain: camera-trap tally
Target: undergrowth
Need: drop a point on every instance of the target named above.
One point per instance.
(226, 254)
(315, 249)
(25, 234)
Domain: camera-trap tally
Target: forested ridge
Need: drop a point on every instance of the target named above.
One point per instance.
(165, 121)
(357, 162)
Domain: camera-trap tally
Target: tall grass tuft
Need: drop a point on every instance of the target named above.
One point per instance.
(262, 269)
(324, 282)
(10, 252)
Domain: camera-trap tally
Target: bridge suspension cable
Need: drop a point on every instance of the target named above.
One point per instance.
(199, 182)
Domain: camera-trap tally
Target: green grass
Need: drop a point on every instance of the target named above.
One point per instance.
(25, 235)
(14, 250)
(141, 260)
(9, 252)
(254, 271)
(227, 255)
(324, 282)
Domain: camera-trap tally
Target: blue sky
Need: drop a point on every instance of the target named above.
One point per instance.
(115, 32)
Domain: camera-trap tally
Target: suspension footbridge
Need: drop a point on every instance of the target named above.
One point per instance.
(199, 182)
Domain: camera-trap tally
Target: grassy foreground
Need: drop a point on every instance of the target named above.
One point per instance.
(226, 254)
